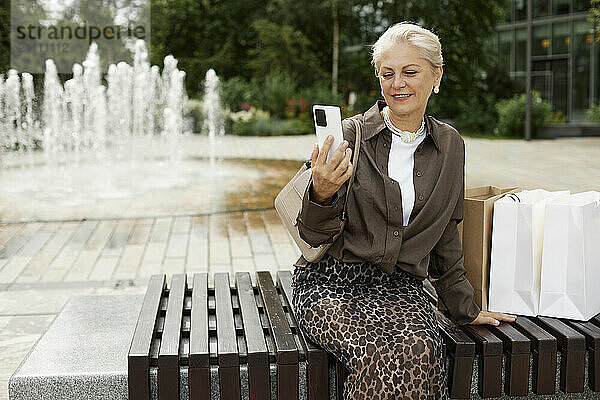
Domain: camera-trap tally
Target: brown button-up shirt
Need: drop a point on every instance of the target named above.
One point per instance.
(429, 246)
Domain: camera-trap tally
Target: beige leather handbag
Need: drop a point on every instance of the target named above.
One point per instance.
(289, 202)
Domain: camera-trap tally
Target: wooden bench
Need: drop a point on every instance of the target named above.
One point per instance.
(242, 341)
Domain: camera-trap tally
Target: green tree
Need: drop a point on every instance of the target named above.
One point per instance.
(205, 34)
(283, 50)
(594, 15)
(465, 28)
(4, 36)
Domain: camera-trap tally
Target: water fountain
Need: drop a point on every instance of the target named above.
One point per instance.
(85, 149)
(213, 122)
(84, 141)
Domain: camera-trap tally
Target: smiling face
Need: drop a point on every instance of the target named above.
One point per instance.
(406, 81)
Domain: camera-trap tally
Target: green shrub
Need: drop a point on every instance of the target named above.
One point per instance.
(264, 126)
(236, 92)
(511, 115)
(477, 115)
(273, 94)
(557, 118)
(320, 94)
(193, 108)
(593, 113)
(364, 101)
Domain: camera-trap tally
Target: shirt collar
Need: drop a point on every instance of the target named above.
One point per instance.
(374, 124)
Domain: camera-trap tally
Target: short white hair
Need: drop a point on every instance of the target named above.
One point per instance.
(427, 43)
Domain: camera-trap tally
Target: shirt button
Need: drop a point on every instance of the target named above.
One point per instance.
(395, 208)
(396, 233)
(421, 197)
(418, 173)
(385, 145)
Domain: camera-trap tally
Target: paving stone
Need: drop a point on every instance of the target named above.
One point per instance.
(36, 301)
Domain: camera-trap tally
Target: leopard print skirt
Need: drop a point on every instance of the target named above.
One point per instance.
(380, 326)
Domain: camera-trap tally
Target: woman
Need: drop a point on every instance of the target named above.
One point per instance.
(364, 300)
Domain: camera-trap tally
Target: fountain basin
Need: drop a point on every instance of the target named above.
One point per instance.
(90, 186)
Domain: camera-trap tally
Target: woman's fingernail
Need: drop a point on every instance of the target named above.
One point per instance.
(345, 143)
(496, 322)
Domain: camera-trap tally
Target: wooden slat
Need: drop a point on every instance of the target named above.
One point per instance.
(517, 346)
(489, 350)
(199, 360)
(592, 338)
(168, 356)
(283, 339)
(595, 320)
(256, 347)
(138, 358)
(543, 347)
(462, 349)
(572, 348)
(227, 349)
(317, 358)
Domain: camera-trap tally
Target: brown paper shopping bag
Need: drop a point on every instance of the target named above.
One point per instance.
(477, 236)
(475, 233)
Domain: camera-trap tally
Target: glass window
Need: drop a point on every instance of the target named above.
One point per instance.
(560, 38)
(561, 7)
(541, 40)
(505, 53)
(581, 5)
(540, 8)
(519, 83)
(520, 10)
(597, 68)
(539, 66)
(506, 12)
(582, 51)
(539, 84)
(521, 49)
(559, 86)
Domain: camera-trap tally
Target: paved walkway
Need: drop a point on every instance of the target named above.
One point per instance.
(43, 263)
(563, 163)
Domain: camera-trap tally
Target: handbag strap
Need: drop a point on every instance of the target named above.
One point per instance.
(354, 163)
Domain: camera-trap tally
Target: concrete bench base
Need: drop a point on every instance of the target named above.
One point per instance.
(83, 355)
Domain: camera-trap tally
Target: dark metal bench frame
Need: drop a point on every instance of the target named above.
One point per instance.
(177, 328)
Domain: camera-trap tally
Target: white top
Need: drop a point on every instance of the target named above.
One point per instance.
(401, 165)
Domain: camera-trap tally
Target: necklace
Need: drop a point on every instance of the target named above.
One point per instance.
(406, 136)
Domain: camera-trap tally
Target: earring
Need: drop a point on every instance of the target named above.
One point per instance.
(436, 89)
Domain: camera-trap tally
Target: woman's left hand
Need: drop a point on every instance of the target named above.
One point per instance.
(492, 318)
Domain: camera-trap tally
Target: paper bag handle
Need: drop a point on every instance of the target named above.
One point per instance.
(512, 196)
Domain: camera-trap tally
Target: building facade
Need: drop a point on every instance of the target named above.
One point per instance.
(565, 53)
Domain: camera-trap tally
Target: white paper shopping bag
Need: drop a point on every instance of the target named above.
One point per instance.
(516, 255)
(570, 279)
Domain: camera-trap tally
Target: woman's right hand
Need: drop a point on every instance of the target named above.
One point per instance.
(328, 176)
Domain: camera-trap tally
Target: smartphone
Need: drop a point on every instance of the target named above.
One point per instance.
(328, 121)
